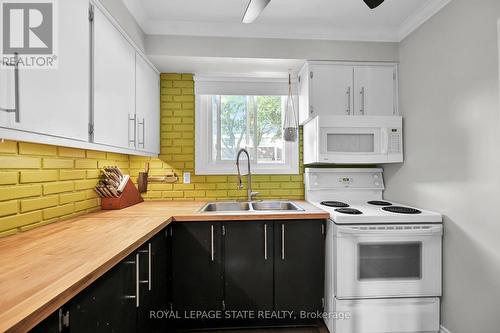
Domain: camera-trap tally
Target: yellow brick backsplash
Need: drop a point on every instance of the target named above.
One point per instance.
(41, 184)
(177, 155)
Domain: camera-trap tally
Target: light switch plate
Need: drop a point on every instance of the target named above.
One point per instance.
(187, 178)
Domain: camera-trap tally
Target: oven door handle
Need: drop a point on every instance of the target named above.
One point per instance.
(414, 231)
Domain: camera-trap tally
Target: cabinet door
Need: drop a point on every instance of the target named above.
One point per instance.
(147, 106)
(55, 101)
(196, 266)
(153, 287)
(114, 85)
(331, 90)
(375, 90)
(248, 266)
(109, 304)
(299, 265)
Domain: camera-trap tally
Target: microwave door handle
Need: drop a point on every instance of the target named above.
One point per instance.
(384, 149)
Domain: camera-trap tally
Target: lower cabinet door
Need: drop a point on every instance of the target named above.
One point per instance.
(196, 267)
(299, 265)
(248, 266)
(109, 304)
(153, 284)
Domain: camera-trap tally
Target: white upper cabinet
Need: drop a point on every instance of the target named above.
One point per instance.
(147, 106)
(375, 90)
(54, 102)
(332, 88)
(114, 86)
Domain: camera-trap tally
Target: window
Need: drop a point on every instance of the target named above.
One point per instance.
(226, 123)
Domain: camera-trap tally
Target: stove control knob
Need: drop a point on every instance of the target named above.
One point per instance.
(375, 176)
(377, 184)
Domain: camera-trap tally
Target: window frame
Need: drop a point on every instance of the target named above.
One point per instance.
(204, 165)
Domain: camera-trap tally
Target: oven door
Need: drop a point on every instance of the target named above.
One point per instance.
(388, 261)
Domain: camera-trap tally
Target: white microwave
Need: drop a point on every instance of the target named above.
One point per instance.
(353, 140)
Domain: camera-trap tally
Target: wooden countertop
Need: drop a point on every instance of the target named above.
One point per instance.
(42, 269)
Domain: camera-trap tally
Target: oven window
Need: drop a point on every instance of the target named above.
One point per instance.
(350, 143)
(390, 261)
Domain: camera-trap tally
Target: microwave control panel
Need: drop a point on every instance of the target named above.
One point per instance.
(395, 141)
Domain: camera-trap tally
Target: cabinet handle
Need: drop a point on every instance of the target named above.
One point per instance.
(148, 281)
(362, 92)
(142, 123)
(282, 241)
(15, 110)
(265, 241)
(212, 242)
(136, 296)
(348, 93)
(134, 118)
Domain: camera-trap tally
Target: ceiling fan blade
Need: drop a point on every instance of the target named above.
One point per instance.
(254, 8)
(373, 3)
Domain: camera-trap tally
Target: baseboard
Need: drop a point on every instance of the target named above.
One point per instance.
(443, 329)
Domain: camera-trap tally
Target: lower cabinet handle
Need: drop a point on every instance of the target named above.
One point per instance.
(136, 296)
(348, 93)
(150, 265)
(265, 241)
(148, 281)
(212, 242)
(283, 241)
(137, 280)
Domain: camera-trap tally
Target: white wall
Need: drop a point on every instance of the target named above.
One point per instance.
(449, 98)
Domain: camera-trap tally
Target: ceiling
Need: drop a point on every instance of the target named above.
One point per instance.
(296, 19)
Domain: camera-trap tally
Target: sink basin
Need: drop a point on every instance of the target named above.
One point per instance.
(275, 205)
(256, 206)
(226, 207)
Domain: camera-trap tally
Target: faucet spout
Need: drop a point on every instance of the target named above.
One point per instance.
(250, 194)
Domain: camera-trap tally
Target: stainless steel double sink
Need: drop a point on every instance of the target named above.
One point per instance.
(254, 206)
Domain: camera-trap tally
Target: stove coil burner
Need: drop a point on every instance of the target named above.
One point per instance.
(402, 210)
(350, 211)
(379, 203)
(337, 204)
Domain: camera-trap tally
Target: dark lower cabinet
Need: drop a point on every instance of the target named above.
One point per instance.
(196, 267)
(248, 265)
(122, 299)
(204, 268)
(153, 284)
(109, 304)
(299, 248)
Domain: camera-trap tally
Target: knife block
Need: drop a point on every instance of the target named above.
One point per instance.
(129, 197)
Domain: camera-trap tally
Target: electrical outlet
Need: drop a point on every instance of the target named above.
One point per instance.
(187, 178)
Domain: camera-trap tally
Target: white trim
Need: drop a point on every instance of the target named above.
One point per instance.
(213, 29)
(443, 329)
(17, 135)
(412, 23)
(203, 143)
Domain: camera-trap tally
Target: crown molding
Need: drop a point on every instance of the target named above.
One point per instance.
(414, 21)
(211, 29)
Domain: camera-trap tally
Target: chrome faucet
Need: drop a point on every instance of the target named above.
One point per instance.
(250, 194)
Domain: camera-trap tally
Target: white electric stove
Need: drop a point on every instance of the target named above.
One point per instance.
(383, 259)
